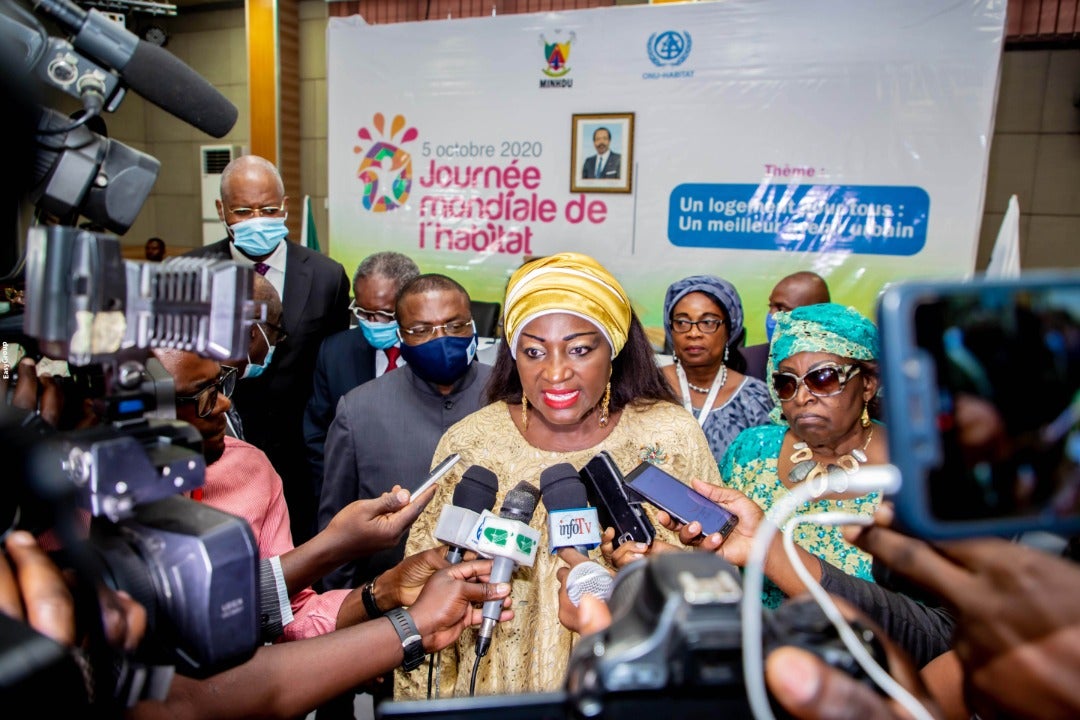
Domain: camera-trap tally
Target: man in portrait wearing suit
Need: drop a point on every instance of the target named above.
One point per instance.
(604, 165)
(352, 357)
(314, 294)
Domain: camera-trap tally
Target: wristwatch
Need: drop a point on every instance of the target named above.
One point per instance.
(411, 642)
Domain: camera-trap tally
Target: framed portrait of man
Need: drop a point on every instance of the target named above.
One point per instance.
(602, 154)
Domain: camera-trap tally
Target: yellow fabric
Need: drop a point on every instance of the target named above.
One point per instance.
(572, 283)
(530, 652)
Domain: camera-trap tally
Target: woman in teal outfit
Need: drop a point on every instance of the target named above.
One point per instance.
(823, 378)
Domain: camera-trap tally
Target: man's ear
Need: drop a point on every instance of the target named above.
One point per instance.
(220, 209)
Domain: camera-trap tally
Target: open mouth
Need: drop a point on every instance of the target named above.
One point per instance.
(560, 400)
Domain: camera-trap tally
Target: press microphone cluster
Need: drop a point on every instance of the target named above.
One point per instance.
(474, 494)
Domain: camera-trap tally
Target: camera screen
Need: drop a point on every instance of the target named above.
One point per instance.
(1008, 385)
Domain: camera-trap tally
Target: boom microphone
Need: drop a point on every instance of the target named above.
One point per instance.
(153, 72)
(475, 492)
(571, 522)
(511, 531)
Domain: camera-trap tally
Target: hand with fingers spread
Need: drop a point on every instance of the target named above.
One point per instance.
(1018, 629)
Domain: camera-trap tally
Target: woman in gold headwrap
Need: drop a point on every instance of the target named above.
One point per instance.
(575, 375)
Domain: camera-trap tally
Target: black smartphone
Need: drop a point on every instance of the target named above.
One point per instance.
(981, 386)
(606, 492)
(679, 500)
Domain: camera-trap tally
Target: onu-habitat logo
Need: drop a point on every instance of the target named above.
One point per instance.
(386, 170)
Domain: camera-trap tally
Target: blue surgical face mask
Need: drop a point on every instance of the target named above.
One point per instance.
(380, 335)
(770, 326)
(442, 360)
(253, 370)
(259, 235)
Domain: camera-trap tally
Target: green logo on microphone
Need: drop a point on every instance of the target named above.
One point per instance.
(496, 536)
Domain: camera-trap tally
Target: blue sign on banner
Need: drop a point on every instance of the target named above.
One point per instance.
(860, 219)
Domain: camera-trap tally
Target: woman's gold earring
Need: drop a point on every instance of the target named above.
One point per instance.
(524, 411)
(865, 419)
(604, 406)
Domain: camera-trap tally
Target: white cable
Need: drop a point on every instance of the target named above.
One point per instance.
(874, 478)
(877, 673)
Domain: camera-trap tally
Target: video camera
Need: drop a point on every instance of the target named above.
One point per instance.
(107, 498)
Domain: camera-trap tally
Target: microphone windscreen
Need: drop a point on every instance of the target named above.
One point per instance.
(477, 489)
(164, 79)
(562, 489)
(588, 577)
(520, 503)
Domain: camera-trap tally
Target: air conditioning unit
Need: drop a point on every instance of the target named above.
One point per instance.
(212, 162)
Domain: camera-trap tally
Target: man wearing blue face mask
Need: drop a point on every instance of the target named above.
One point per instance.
(264, 338)
(314, 293)
(796, 290)
(352, 357)
(385, 431)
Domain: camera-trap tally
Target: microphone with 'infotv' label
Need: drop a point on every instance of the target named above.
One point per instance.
(571, 522)
(474, 493)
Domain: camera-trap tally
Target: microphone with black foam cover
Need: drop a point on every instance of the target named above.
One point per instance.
(511, 542)
(571, 522)
(475, 493)
(148, 69)
(589, 577)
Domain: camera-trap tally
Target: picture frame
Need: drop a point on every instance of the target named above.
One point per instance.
(616, 173)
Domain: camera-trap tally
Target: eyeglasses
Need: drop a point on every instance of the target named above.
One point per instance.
(418, 334)
(206, 399)
(268, 211)
(707, 325)
(279, 332)
(824, 381)
(375, 316)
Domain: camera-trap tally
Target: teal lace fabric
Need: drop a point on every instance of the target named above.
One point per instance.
(750, 467)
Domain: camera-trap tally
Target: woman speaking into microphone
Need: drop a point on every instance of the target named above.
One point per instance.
(575, 375)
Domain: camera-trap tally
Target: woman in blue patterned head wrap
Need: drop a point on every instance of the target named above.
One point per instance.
(703, 322)
(824, 380)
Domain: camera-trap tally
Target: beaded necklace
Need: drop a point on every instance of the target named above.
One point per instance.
(710, 393)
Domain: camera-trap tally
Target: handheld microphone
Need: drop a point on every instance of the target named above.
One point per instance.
(571, 522)
(475, 492)
(589, 577)
(150, 70)
(511, 541)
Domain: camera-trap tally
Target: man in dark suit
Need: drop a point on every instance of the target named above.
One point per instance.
(604, 165)
(314, 294)
(795, 290)
(352, 357)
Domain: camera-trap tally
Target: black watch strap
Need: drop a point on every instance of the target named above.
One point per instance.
(411, 642)
(367, 596)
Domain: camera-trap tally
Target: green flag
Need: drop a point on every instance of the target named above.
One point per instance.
(309, 236)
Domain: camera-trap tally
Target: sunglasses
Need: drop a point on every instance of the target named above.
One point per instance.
(206, 399)
(823, 381)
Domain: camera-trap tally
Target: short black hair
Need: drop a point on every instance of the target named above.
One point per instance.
(428, 282)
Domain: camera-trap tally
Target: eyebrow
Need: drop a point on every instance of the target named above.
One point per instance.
(567, 338)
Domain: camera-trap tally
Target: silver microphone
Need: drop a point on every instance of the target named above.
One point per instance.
(588, 577)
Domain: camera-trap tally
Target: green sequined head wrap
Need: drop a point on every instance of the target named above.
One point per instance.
(827, 328)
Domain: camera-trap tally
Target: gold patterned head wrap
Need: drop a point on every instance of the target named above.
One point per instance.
(567, 283)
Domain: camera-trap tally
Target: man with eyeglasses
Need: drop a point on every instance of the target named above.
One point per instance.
(385, 431)
(263, 339)
(351, 357)
(314, 293)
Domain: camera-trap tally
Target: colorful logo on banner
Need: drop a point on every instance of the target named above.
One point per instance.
(386, 170)
(669, 48)
(557, 57)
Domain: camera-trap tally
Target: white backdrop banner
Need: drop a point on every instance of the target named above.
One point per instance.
(747, 139)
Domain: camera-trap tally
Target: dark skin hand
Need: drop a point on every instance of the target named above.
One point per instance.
(35, 394)
(1018, 624)
(810, 689)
